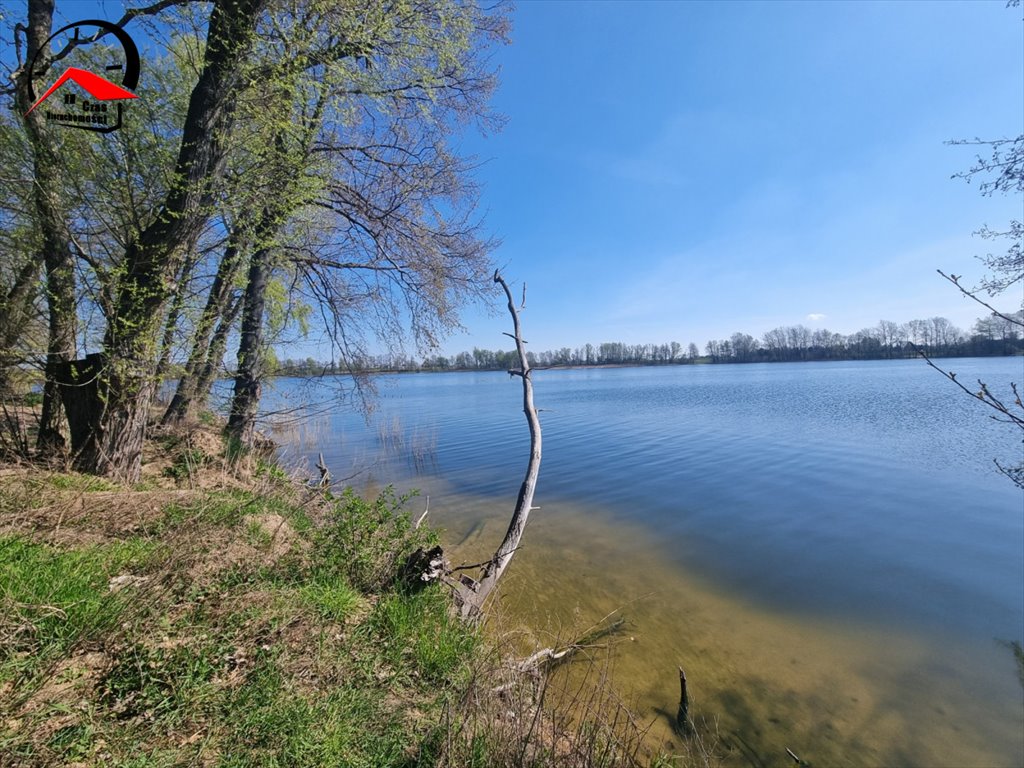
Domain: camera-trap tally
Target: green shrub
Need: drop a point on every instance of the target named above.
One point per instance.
(365, 542)
(272, 471)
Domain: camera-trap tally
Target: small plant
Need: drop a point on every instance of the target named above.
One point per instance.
(235, 449)
(272, 471)
(186, 464)
(160, 682)
(257, 535)
(364, 542)
(72, 742)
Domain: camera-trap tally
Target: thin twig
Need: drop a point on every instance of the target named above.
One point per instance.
(955, 280)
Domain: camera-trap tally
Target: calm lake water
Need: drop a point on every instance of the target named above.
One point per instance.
(826, 547)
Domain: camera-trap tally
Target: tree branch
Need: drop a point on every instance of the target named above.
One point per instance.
(955, 280)
(473, 594)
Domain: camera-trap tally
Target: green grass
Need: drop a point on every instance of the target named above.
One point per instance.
(54, 599)
(227, 509)
(296, 516)
(277, 725)
(163, 682)
(318, 656)
(418, 628)
(332, 601)
(257, 535)
(218, 509)
(72, 481)
(73, 742)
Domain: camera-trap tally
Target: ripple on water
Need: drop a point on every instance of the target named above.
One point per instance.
(834, 691)
(828, 544)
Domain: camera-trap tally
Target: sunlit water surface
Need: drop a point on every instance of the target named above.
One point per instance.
(827, 548)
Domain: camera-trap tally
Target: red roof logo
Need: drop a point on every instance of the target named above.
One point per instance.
(98, 87)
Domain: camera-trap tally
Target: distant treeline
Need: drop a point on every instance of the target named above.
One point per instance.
(938, 337)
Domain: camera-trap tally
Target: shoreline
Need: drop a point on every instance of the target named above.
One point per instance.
(598, 366)
(219, 612)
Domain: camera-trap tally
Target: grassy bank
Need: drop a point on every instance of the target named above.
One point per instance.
(208, 617)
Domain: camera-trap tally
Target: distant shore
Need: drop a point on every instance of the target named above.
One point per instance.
(325, 369)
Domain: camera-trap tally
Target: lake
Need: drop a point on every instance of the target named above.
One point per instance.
(826, 547)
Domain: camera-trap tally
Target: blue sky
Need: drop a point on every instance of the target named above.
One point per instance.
(682, 171)
(679, 171)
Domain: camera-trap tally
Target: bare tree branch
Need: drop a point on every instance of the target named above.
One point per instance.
(1007, 413)
(472, 594)
(955, 280)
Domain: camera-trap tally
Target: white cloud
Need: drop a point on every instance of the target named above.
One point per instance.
(816, 317)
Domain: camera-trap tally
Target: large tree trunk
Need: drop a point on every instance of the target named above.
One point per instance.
(246, 399)
(126, 386)
(257, 233)
(56, 252)
(217, 305)
(79, 380)
(61, 346)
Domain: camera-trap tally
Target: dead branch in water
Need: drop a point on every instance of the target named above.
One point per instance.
(325, 473)
(550, 657)
(683, 714)
(473, 593)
